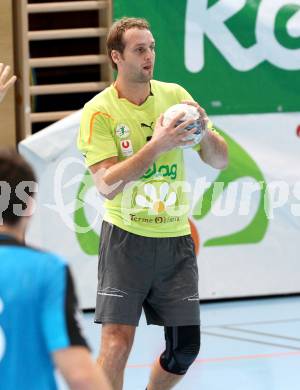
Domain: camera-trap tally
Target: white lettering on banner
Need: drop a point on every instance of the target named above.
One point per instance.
(202, 21)
(5, 191)
(295, 208)
(227, 202)
(61, 195)
(248, 189)
(23, 196)
(293, 25)
(278, 192)
(2, 336)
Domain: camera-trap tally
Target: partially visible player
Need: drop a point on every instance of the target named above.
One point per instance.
(38, 308)
(5, 82)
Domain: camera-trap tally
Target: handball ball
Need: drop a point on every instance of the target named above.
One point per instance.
(191, 112)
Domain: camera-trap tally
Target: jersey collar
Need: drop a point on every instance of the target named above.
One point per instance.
(127, 102)
(6, 239)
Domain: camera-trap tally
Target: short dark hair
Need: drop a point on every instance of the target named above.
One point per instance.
(14, 169)
(115, 35)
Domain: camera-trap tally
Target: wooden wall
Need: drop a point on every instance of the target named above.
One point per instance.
(7, 107)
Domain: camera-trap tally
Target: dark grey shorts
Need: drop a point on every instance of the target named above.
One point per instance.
(158, 274)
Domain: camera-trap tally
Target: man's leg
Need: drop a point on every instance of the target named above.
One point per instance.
(182, 348)
(161, 379)
(116, 343)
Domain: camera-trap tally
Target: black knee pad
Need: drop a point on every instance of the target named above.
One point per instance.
(182, 348)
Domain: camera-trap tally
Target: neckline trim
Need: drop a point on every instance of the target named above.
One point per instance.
(136, 106)
(7, 239)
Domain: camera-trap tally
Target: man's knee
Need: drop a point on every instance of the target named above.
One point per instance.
(116, 342)
(182, 348)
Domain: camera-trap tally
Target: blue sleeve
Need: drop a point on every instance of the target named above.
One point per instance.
(59, 308)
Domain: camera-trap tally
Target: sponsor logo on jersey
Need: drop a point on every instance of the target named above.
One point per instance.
(161, 170)
(149, 126)
(126, 147)
(157, 199)
(122, 131)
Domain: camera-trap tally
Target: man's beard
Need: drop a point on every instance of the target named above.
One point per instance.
(143, 77)
(146, 78)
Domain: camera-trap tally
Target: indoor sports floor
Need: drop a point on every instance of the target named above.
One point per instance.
(246, 345)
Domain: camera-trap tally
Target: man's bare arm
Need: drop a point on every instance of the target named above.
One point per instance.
(111, 176)
(214, 150)
(213, 146)
(79, 370)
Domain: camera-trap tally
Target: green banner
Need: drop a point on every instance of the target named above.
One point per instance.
(233, 56)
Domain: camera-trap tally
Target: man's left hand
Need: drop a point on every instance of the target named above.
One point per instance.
(4, 83)
(203, 116)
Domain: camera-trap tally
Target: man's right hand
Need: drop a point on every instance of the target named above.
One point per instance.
(169, 137)
(111, 175)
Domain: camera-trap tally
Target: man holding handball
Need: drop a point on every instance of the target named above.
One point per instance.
(146, 256)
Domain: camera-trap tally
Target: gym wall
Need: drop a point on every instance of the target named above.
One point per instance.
(7, 107)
